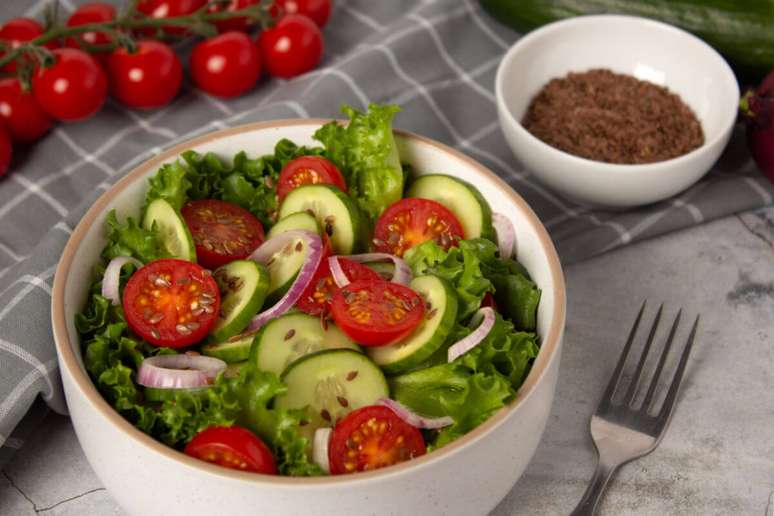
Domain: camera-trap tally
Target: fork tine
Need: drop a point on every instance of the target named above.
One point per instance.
(661, 361)
(629, 398)
(669, 401)
(610, 389)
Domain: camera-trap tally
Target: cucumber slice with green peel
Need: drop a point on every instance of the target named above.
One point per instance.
(299, 220)
(243, 287)
(283, 268)
(161, 395)
(173, 231)
(441, 312)
(461, 198)
(236, 349)
(292, 336)
(331, 384)
(337, 214)
(383, 269)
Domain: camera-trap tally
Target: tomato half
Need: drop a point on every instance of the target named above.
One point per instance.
(222, 232)
(171, 303)
(376, 312)
(232, 447)
(411, 221)
(316, 299)
(308, 170)
(370, 438)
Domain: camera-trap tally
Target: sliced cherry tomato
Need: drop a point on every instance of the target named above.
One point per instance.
(316, 299)
(74, 88)
(23, 117)
(308, 170)
(171, 303)
(240, 23)
(222, 232)
(6, 150)
(95, 12)
(16, 31)
(377, 312)
(232, 447)
(149, 78)
(370, 438)
(169, 9)
(293, 46)
(227, 65)
(411, 221)
(318, 10)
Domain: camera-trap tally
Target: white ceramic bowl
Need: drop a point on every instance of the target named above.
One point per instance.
(646, 49)
(468, 477)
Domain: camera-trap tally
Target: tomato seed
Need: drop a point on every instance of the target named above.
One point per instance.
(182, 329)
(289, 334)
(155, 318)
(155, 333)
(351, 375)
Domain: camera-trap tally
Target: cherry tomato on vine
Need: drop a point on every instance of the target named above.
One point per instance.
(232, 447)
(168, 9)
(241, 23)
(74, 88)
(227, 65)
(6, 150)
(96, 12)
(16, 31)
(148, 78)
(293, 46)
(317, 10)
(22, 115)
(308, 170)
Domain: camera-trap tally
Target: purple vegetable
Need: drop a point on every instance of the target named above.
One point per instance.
(758, 108)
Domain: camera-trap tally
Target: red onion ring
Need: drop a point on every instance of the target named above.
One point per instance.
(506, 236)
(267, 250)
(402, 272)
(337, 272)
(413, 418)
(112, 277)
(322, 436)
(179, 371)
(464, 345)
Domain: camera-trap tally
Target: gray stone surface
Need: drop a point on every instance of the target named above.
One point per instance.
(717, 457)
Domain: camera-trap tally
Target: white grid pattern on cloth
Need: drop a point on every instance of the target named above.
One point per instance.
(399, 35)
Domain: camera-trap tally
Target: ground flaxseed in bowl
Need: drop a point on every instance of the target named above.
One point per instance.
(615, 118)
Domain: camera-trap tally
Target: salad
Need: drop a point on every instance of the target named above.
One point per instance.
(318, 310)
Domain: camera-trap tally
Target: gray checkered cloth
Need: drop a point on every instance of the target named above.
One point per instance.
(437, 59)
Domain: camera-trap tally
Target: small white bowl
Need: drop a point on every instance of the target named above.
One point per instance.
(648, 50)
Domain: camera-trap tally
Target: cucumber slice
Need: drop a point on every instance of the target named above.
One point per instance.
(161, 395)
(243, 286)
(334, 210)
(383, 269)
(300, 220)
(331, 384)
(173, 231)
(461, 198)
(283, 268)
(292, 336)
(236, 349)
(442, 303)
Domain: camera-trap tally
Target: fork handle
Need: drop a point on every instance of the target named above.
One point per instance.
(588, 504)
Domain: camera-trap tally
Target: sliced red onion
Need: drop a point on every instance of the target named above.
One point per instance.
(402, 272)
(179, 371)
(112, 277)
(266, 252)
(322, 437)
(413, 418)
(337, 272)
(506, 236)
(464, 345)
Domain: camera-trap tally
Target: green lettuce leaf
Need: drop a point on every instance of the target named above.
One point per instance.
(171, 184)
(366, 153)
(131, 239)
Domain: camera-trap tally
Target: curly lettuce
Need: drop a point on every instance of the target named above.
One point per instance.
(131, 239)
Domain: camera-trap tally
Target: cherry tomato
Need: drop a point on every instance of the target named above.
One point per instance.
(149, 78)
(5, 151)
(16, 31)
(293, 46)
(22, 115)
(240, 23)
(317, 10)
(308, 170)
(316, 299)
(222, 232)
(227, 65)
(96, 12)
(74, 88)
(171, 303)
(377, 312)
(232, 447)
(411, 221)
(168, 9)
(370, 438)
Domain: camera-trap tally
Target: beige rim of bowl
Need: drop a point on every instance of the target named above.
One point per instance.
(82, 381)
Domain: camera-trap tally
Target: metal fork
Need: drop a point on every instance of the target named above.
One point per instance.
(623, 432)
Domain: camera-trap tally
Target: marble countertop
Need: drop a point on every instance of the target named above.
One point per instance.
(717, 457)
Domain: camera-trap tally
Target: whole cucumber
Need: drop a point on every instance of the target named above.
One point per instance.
(741, 30)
